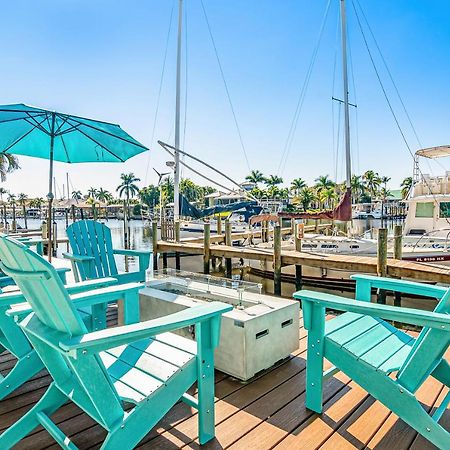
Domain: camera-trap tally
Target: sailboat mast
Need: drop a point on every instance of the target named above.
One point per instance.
(176, 175)
(348, 161)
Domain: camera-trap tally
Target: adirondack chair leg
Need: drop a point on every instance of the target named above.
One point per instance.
(25, 368)
(48, 404)
(314, 366)
(99, 316)
(205, 370)
(76, 275)
(131, 312)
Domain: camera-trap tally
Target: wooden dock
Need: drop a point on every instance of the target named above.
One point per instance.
(351, 263)
(266, 413)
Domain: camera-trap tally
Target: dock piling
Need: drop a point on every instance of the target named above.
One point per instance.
(298, 235)
(398, 244)
(277, 260)
(228, 242)
(206, 247)
(155, 244)
(382, 260)
(177, 239)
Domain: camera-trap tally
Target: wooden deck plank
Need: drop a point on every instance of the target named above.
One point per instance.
(318, 428)
(394, 432)
(266, 413)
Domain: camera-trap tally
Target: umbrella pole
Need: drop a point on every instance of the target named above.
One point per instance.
(50, 193)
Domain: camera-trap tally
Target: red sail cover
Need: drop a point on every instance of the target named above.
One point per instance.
(342, 212)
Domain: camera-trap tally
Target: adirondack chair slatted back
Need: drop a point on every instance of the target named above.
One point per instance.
(43, 289)
(41, 286)
(92, 238)
(427, 351)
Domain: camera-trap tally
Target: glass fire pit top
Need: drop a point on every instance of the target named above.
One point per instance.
(209, 288)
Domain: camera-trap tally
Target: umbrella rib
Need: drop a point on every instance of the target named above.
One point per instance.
(19, 118)
(39, 124)
(100, 145)
(69, 130)
(18, 140)
(137, 144)
(64, 120)
(65, 148)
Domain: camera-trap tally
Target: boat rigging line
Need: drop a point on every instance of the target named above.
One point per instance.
(171, 149)
(377, 73)
(158, 98)
(238, 128)
(301, 99)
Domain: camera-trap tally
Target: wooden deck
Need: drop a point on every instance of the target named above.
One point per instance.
(267, 413)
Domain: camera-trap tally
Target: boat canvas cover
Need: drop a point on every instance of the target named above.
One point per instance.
(249, 208)
(342, 212)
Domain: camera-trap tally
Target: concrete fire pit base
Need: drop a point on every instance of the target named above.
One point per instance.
(255, 335)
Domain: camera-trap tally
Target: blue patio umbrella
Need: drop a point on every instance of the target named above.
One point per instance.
(30, 131)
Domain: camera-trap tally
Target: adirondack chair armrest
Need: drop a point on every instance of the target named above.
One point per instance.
(312, 299)
(78, 258)
(13, 298)
(83, 286)
(142, 255)
(364, 284)
(103, 290)
(113, 337)
(105, 295)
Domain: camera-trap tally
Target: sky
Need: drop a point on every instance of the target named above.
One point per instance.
(104, 60)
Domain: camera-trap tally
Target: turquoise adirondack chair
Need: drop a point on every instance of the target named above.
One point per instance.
(367, 348)
(13, 339)
(140, 363)
(93, 255)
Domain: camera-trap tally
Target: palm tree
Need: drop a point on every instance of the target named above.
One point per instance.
(328, 197)
(189, 189)
(372, 182)
(406, 185)
(22, 200)
(357, 187)
(37, 202)
(128, 188)
(297, 184)
(258, 193)
(149, 195)
(103, 195)
(384, 193)
(385, 181)
(167, 190)
(255, 177)
(77, 195)
(273, 180)
(12, 202)
(92, 192)
(306, 197)
(323, 182)
(8, 163)
(3, 191)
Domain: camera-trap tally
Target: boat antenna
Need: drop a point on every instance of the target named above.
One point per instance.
(348, 172)
(176, 171)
